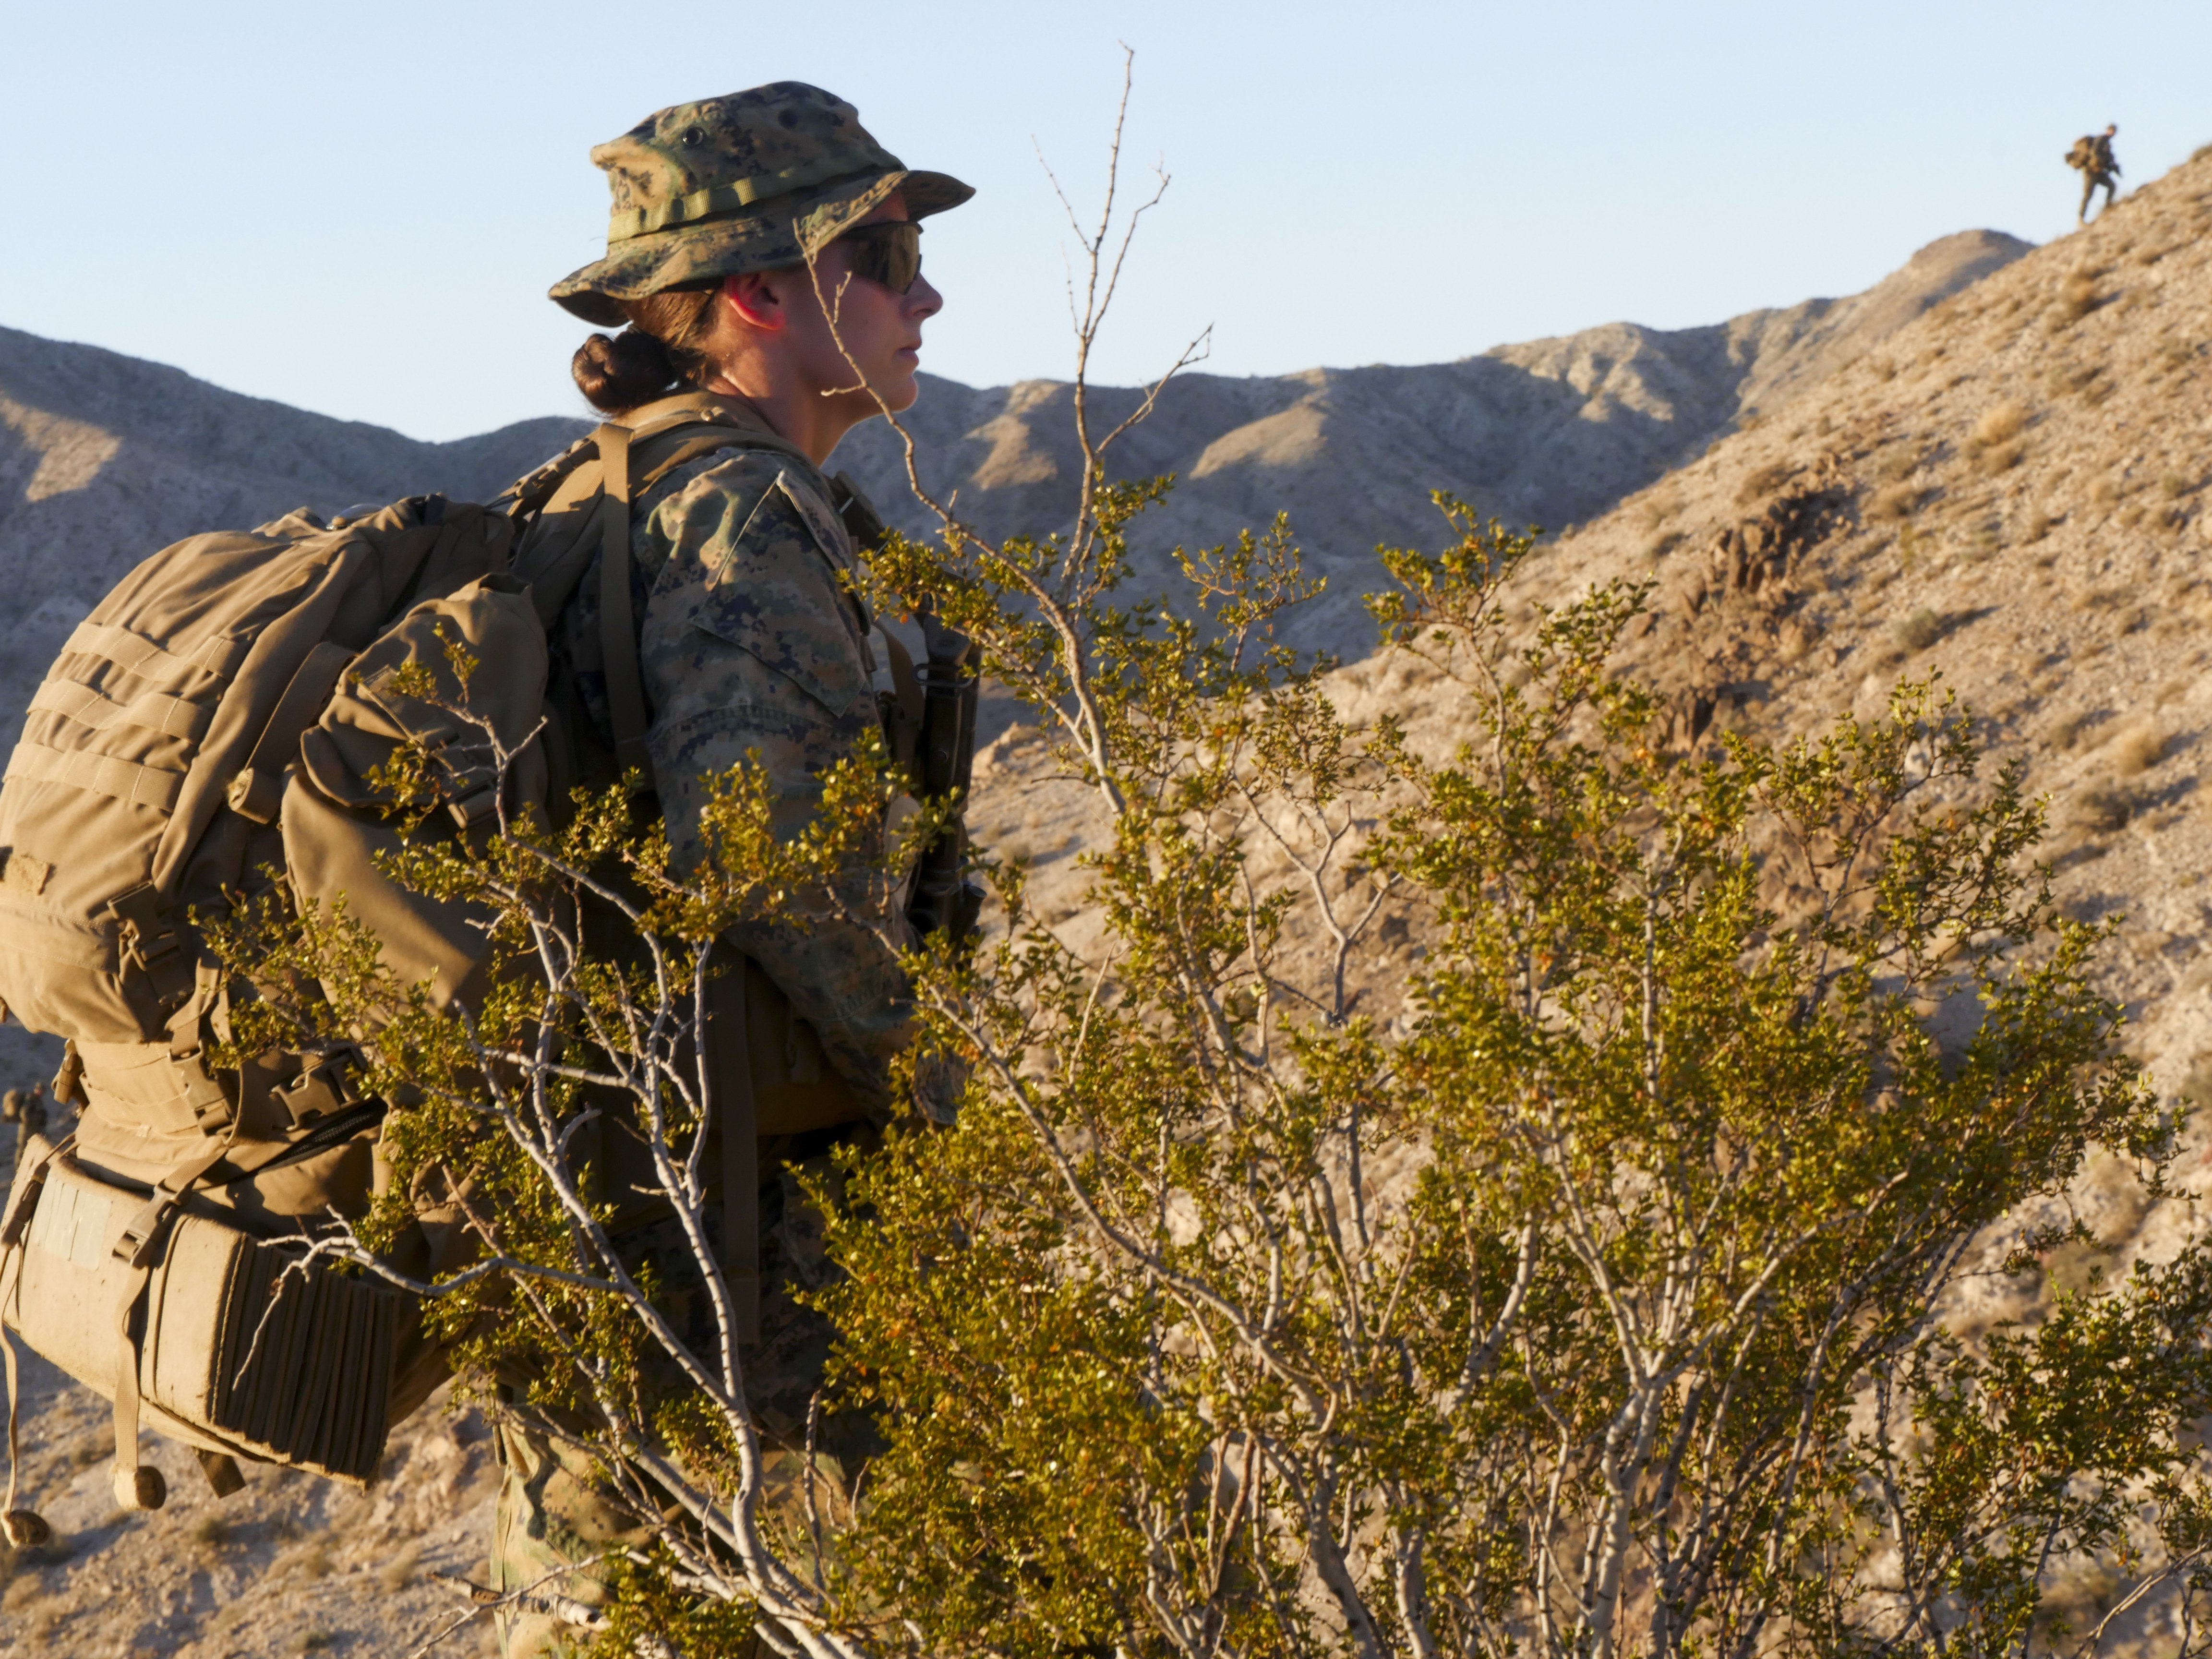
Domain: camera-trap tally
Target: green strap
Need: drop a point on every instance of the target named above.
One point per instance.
(905, 683)
(657, 457)
(731, 412)
(663, 436)
(731, 1076)
(679, 430)
(903, 732)
(617, 630)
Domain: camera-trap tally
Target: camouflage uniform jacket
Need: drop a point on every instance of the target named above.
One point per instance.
(749, 639)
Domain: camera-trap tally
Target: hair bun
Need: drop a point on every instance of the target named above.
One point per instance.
(618, 372)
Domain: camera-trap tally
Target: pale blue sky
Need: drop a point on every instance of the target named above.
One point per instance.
(358, 208)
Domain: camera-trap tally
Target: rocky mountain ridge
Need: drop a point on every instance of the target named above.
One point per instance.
(105, 457)
(1546, 433)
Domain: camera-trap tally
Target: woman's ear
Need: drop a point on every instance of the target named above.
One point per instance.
(757, 299)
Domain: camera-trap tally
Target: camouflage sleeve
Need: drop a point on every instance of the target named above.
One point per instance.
(749, 642)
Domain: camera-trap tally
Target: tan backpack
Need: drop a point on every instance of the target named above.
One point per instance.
(221, 714)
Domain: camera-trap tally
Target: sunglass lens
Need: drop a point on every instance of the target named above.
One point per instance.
(889, 254)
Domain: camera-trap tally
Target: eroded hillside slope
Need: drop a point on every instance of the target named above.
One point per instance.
(2010, 493)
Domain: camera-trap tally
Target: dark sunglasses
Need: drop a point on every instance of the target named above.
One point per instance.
(889, 252)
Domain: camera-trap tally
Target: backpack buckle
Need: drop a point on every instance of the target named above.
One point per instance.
(68, 1086)
(320, 1092)
(134, 1245)
(212, 1107)
(257, 793)
(470, 811)
(142, 936)
(137, 948)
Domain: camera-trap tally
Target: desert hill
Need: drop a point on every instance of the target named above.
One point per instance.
(102, 458)
(2011, 492)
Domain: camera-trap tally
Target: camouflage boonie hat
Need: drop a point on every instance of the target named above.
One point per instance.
(747, 182)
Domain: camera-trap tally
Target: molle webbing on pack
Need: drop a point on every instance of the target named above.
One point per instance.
(186, 696)
(176, 697)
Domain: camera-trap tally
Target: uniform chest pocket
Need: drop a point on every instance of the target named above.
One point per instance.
(775, 597)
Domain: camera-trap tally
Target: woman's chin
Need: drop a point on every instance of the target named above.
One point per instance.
(899, 390)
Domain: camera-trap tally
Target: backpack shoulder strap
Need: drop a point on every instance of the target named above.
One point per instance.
(617, 635)
(632, 459)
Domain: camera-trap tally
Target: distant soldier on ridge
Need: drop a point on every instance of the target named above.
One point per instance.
(2092, 156)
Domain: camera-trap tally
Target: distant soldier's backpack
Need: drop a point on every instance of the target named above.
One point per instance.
(2084, 156)
(222, 715)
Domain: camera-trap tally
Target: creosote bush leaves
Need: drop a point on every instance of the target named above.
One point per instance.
(1592, 1301)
